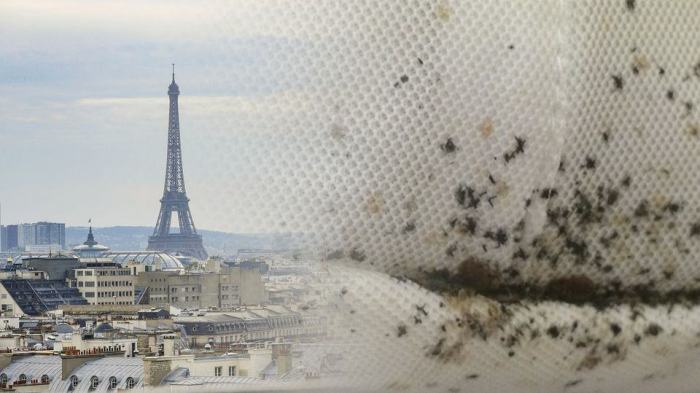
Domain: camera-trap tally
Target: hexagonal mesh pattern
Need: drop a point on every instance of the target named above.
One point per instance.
(540, 140)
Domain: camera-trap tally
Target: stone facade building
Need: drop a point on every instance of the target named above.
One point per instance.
(229, 288)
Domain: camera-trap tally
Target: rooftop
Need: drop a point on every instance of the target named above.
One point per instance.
(148, 258)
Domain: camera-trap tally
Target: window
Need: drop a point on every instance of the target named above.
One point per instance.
(217, 371)
(231, 371)
(112, 382)
(89, 294)
(44, 379)
(80, 272)
(73, 382)
(22, 378)
(3, 379)
(130, 383)
(94, 381)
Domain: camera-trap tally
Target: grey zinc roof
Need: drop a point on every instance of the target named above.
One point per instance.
(33, 366)
(63, 328)
(102, 368)
(193, 381)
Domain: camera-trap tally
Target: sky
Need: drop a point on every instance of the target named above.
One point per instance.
(83, 104)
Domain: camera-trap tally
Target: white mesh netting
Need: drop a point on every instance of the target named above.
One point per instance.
(549, 144)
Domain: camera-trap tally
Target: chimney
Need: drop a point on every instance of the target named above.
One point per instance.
(169, 345)
(72, 362)
(282, 355)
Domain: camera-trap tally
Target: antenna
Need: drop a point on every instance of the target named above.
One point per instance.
(173, 72)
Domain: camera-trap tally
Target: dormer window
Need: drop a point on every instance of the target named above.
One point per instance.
(130, 383)
(44, 379)
(94, 381)
(73, 382)
(112, 383)
(3, 379)
(22, 378)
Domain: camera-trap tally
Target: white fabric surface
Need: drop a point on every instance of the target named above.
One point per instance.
(417, 134)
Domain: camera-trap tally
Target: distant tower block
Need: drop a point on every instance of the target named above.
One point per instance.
(186, 241)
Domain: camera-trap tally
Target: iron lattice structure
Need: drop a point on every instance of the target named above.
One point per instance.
(187, 241)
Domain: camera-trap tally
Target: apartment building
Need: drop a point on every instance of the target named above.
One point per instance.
(106, 283)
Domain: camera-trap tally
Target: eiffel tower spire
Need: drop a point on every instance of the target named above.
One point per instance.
(186, 241)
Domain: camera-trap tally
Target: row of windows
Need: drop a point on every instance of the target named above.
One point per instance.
(185, 289)
(176, 299)
(117, 272)
(231, 371)
(95, 382)
(109, 294)
(22, 379)
(115, 283)
(105, 284)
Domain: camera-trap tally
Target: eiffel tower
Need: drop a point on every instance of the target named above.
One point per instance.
(186, 241)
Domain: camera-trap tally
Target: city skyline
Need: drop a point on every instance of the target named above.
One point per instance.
(84, 135)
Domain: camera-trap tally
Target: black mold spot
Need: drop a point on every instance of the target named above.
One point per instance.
(449, 146)
(467, 197)
(404, 78)
(653, 330)
(500, 236)
(357, 255)
(590, 163)
(642, 210)
(467, 225)
(401, 330)
(606, 136)
(472, 376)
(520, 254)
(519, 149)
(511, 46)
(688, 107)
(672, 207)
(409, 227)
(553, 331)
(631, 4)
(615, 328)
(695, 229)
(671, 95)
(548, 193)
(618, 82)
(662, 71)
(626, 181)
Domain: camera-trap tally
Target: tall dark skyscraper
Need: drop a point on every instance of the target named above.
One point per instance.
(185, 241)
